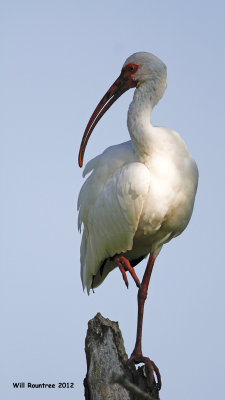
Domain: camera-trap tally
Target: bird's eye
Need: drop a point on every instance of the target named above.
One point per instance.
(131, 68)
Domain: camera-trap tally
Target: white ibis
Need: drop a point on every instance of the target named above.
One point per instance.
(140, 194)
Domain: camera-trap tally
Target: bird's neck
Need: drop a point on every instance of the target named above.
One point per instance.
(138, 121)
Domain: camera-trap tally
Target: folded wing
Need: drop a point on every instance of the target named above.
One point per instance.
(110, 205)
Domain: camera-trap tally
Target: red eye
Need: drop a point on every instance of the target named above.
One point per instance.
(131, 68)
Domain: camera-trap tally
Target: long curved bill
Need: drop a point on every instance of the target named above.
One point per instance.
(121, 85)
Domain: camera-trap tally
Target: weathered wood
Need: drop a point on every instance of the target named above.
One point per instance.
(109, 376)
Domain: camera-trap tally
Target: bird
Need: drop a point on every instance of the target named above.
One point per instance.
(139, 194)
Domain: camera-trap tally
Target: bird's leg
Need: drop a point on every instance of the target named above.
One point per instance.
(124, 265)
(142, 295)
(137, 355)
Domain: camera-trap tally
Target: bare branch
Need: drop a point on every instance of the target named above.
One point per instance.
(107, 358)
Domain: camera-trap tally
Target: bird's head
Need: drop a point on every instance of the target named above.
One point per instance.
(139, 68)
(145, 67)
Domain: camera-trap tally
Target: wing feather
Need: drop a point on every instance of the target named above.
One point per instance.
(110, 211)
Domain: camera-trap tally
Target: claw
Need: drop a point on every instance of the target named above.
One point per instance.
(123, 272)
(124, 265)
(151, 368)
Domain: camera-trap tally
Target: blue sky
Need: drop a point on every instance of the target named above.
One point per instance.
(57, 60)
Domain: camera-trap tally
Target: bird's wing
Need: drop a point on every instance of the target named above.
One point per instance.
(111, 219)
(103, 168)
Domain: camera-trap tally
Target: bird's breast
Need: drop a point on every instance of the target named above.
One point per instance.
(169, 202)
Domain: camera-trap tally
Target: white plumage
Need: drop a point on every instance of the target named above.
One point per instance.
(139, 194)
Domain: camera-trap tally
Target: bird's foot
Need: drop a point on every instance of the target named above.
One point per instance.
(124, 265)
(151, 368)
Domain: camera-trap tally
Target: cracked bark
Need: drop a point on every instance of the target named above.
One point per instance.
(109, 376)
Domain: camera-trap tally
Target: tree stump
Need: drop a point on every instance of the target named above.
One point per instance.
(109, 376)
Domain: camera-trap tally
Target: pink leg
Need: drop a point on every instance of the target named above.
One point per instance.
(124, 265)
(137, 355)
